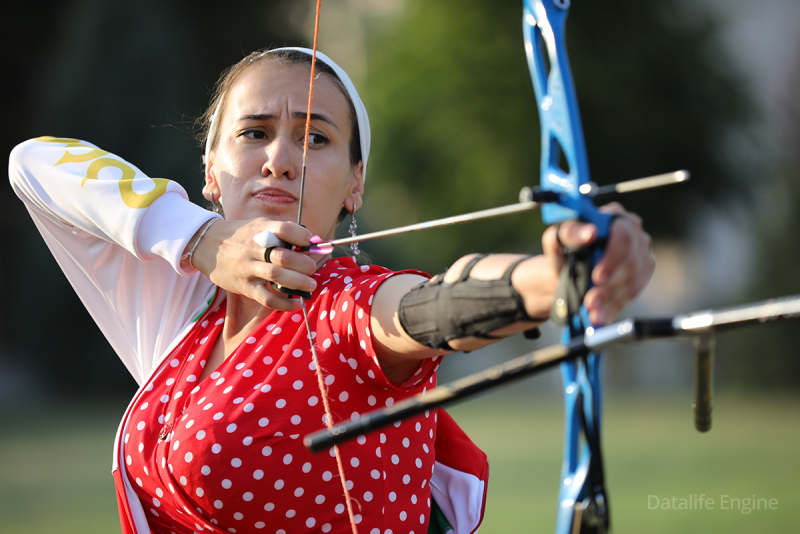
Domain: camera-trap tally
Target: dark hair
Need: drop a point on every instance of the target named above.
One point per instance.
(285, 57)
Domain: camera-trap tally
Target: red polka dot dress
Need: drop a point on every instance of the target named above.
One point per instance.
(226, 454)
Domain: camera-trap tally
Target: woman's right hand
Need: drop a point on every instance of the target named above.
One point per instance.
(230, 258)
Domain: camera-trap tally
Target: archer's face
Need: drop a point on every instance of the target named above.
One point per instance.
(257, 164)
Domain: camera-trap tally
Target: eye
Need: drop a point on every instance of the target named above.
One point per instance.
(253, 134)
(317, 140)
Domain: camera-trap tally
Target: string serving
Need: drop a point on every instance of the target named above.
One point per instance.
(323, 390)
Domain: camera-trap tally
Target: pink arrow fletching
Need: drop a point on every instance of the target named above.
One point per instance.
(322, 248)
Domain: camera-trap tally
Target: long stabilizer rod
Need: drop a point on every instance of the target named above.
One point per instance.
(696, 324)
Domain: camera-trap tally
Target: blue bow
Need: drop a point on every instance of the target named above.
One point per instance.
(583, 504)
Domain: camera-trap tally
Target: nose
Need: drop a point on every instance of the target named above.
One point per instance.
(280, 159)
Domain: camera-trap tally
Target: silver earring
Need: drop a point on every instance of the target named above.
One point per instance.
(353, 228)
(216, 206)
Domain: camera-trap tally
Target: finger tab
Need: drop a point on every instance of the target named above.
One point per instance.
(267, 239)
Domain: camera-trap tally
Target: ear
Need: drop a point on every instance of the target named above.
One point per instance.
(211, 189)
(356, 188)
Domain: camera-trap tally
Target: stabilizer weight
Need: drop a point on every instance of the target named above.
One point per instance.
(703, 381)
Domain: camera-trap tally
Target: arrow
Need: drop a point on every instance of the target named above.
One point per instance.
(530, 199)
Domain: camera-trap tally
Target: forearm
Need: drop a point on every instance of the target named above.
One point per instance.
(189, 250)
(533, 279)
(83, 188)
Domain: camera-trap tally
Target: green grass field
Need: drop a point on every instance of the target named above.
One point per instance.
(651, 448)
(55, 467)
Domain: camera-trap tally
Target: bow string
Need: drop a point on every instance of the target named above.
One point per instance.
(323, 390)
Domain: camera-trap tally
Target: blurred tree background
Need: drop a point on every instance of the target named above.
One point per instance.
(454, 129)
(130, 77)
(768, 357)
(456, 123)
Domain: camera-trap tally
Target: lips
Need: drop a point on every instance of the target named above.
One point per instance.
(274, 195)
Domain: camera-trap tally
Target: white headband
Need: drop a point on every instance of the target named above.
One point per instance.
(361, 111)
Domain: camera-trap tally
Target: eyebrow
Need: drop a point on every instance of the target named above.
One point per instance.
(295, 115)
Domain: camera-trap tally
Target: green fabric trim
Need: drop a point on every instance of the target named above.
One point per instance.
(438, 523)
(208, 305)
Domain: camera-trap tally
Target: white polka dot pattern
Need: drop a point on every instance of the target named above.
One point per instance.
(234, 452)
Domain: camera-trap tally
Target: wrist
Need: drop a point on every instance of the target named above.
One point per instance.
(191, 247)
(536, 280)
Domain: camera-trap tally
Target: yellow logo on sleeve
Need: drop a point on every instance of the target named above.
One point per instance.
(131, 198)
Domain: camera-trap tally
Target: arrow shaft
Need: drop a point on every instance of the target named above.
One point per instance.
(530, 200)
(447, 221)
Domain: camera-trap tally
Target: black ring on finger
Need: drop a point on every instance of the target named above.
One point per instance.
(267, 253)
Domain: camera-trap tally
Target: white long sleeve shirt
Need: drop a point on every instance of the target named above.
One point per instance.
(118, 235)
(101, 216)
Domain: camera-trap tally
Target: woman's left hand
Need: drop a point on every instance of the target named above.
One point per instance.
(622, 272)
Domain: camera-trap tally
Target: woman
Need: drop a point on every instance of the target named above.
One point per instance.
(212, 440)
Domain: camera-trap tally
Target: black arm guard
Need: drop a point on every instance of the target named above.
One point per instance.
(434, 312)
